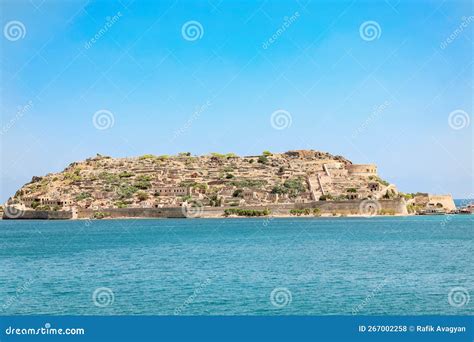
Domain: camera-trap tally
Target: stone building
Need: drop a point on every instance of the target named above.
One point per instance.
(173, 191)
(364, 170)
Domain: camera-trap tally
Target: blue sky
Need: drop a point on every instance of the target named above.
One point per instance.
(385, 99)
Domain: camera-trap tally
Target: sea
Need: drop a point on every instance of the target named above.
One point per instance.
(415, 265)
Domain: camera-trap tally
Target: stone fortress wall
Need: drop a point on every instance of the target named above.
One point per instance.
(445, 202)
(173, 212)
(40, 215)
(395, 206)
(362, 169)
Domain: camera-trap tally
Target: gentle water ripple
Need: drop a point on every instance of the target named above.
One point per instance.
(376, 266)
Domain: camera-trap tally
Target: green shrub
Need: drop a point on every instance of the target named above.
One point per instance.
(109, 177)
(249, 183)
(121, 204)
(299, 212)
(326, 197)
(378, 179)
(246, 212)
(35, 204)
(147, 156)
(279, 189)
(99, 215)
(83, 196)
(74, 177)
(263, 160)
(295, 186)
(143, 182)
(200, 186)
(126, 191)
(125, 174)
(413, 208)
(291, 186)
(352, 190)
(389, 194)
(406, 196)
(215, 201)
(142, 195)
(145, 178)
(142, 185)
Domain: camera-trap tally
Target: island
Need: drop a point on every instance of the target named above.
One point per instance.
(299, 183)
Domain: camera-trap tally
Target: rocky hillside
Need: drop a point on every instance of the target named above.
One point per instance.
(213, 180)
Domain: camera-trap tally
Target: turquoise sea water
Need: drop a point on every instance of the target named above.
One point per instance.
(305, 266)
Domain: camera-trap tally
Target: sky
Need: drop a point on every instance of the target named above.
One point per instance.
(385, 82)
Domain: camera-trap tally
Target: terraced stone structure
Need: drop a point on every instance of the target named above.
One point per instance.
(215, 180)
